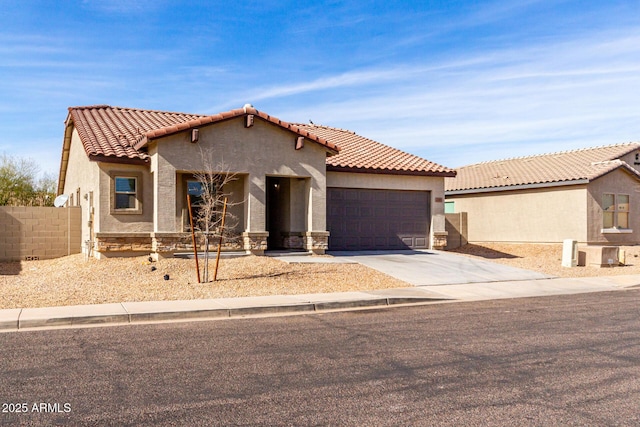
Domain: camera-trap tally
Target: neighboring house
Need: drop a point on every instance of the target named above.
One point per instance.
(590, 195)
(298, 186)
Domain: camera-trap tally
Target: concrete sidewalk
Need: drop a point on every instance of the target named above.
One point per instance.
(225, 308)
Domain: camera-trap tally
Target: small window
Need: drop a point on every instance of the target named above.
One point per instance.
(615, 211)
(623, 211)
(449, 207)
(198, 192)
(126, 192)
(195, 189)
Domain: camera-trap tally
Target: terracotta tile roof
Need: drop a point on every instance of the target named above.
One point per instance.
(107, 131)
(204, 120)
(567, 167)
(360, 154)
(115, 132)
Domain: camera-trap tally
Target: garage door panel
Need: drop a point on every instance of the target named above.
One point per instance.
(408, 241)
(366, 212)
(377, 219)
(351, 211)
(351, 195)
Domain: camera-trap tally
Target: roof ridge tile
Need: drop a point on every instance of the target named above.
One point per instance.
(555, 153)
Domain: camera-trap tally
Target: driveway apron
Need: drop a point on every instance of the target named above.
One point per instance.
(432, 268)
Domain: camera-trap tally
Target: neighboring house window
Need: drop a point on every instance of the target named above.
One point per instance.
(615, 209)
(126, 193)
(449, 207)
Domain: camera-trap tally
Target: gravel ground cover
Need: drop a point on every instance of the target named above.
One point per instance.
(74, 280)
(547, 258)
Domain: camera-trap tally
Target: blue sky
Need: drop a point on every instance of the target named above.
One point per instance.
(456, 82)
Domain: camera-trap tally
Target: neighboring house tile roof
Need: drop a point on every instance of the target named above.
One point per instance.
(562, 168)
(360, 154)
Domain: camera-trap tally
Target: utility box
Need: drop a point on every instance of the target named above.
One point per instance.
(602, 256)
(569, 253)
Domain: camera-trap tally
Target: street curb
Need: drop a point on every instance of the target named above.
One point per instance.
(14, 320)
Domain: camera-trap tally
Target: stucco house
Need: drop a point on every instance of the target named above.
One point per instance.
(297, 186)
(591, 195)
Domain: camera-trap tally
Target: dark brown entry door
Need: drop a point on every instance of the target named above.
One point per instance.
(364, 219)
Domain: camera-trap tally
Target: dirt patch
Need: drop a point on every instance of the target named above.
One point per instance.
(74, 280)
(547, 258)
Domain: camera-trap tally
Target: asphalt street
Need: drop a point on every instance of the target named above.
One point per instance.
(561, 360)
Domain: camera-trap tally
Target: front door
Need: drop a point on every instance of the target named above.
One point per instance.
(276, 221)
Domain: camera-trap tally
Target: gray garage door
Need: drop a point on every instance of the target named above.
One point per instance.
(360, 219)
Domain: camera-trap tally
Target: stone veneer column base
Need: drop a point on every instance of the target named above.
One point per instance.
(439, 240)
(164, 245)
(255, 242)
(120, 244)
(293, 240)
(316, 242)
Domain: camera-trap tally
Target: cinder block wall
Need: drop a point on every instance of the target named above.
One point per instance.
(456, 226)
(39, 232)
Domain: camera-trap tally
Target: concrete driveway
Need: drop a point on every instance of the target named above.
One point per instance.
(431, 268)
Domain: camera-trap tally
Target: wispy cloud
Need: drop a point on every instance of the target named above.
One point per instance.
(456, 84)
(573, 92)
(349, 79)
(123, 6)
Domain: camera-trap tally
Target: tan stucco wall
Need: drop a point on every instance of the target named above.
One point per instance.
(38, 232)
(124, 222)
(82, 174)
(256, 152)
(392, 182)
(616, 182)
(630, 159)
(534, 215)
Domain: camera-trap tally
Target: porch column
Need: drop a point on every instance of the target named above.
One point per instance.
(255, 235)
(316, 238)
(164, 195)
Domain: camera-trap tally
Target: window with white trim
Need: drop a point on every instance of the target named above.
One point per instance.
(615, 211)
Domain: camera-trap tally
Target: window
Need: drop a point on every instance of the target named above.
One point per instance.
(615, 211)
(196, 191)
(449, 207)
(126, 193)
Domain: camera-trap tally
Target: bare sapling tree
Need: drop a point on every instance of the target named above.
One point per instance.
(208, 201)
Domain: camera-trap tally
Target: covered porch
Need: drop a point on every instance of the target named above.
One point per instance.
(263, 213)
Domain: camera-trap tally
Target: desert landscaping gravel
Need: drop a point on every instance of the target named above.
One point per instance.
(74, 280)
(547, 258)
